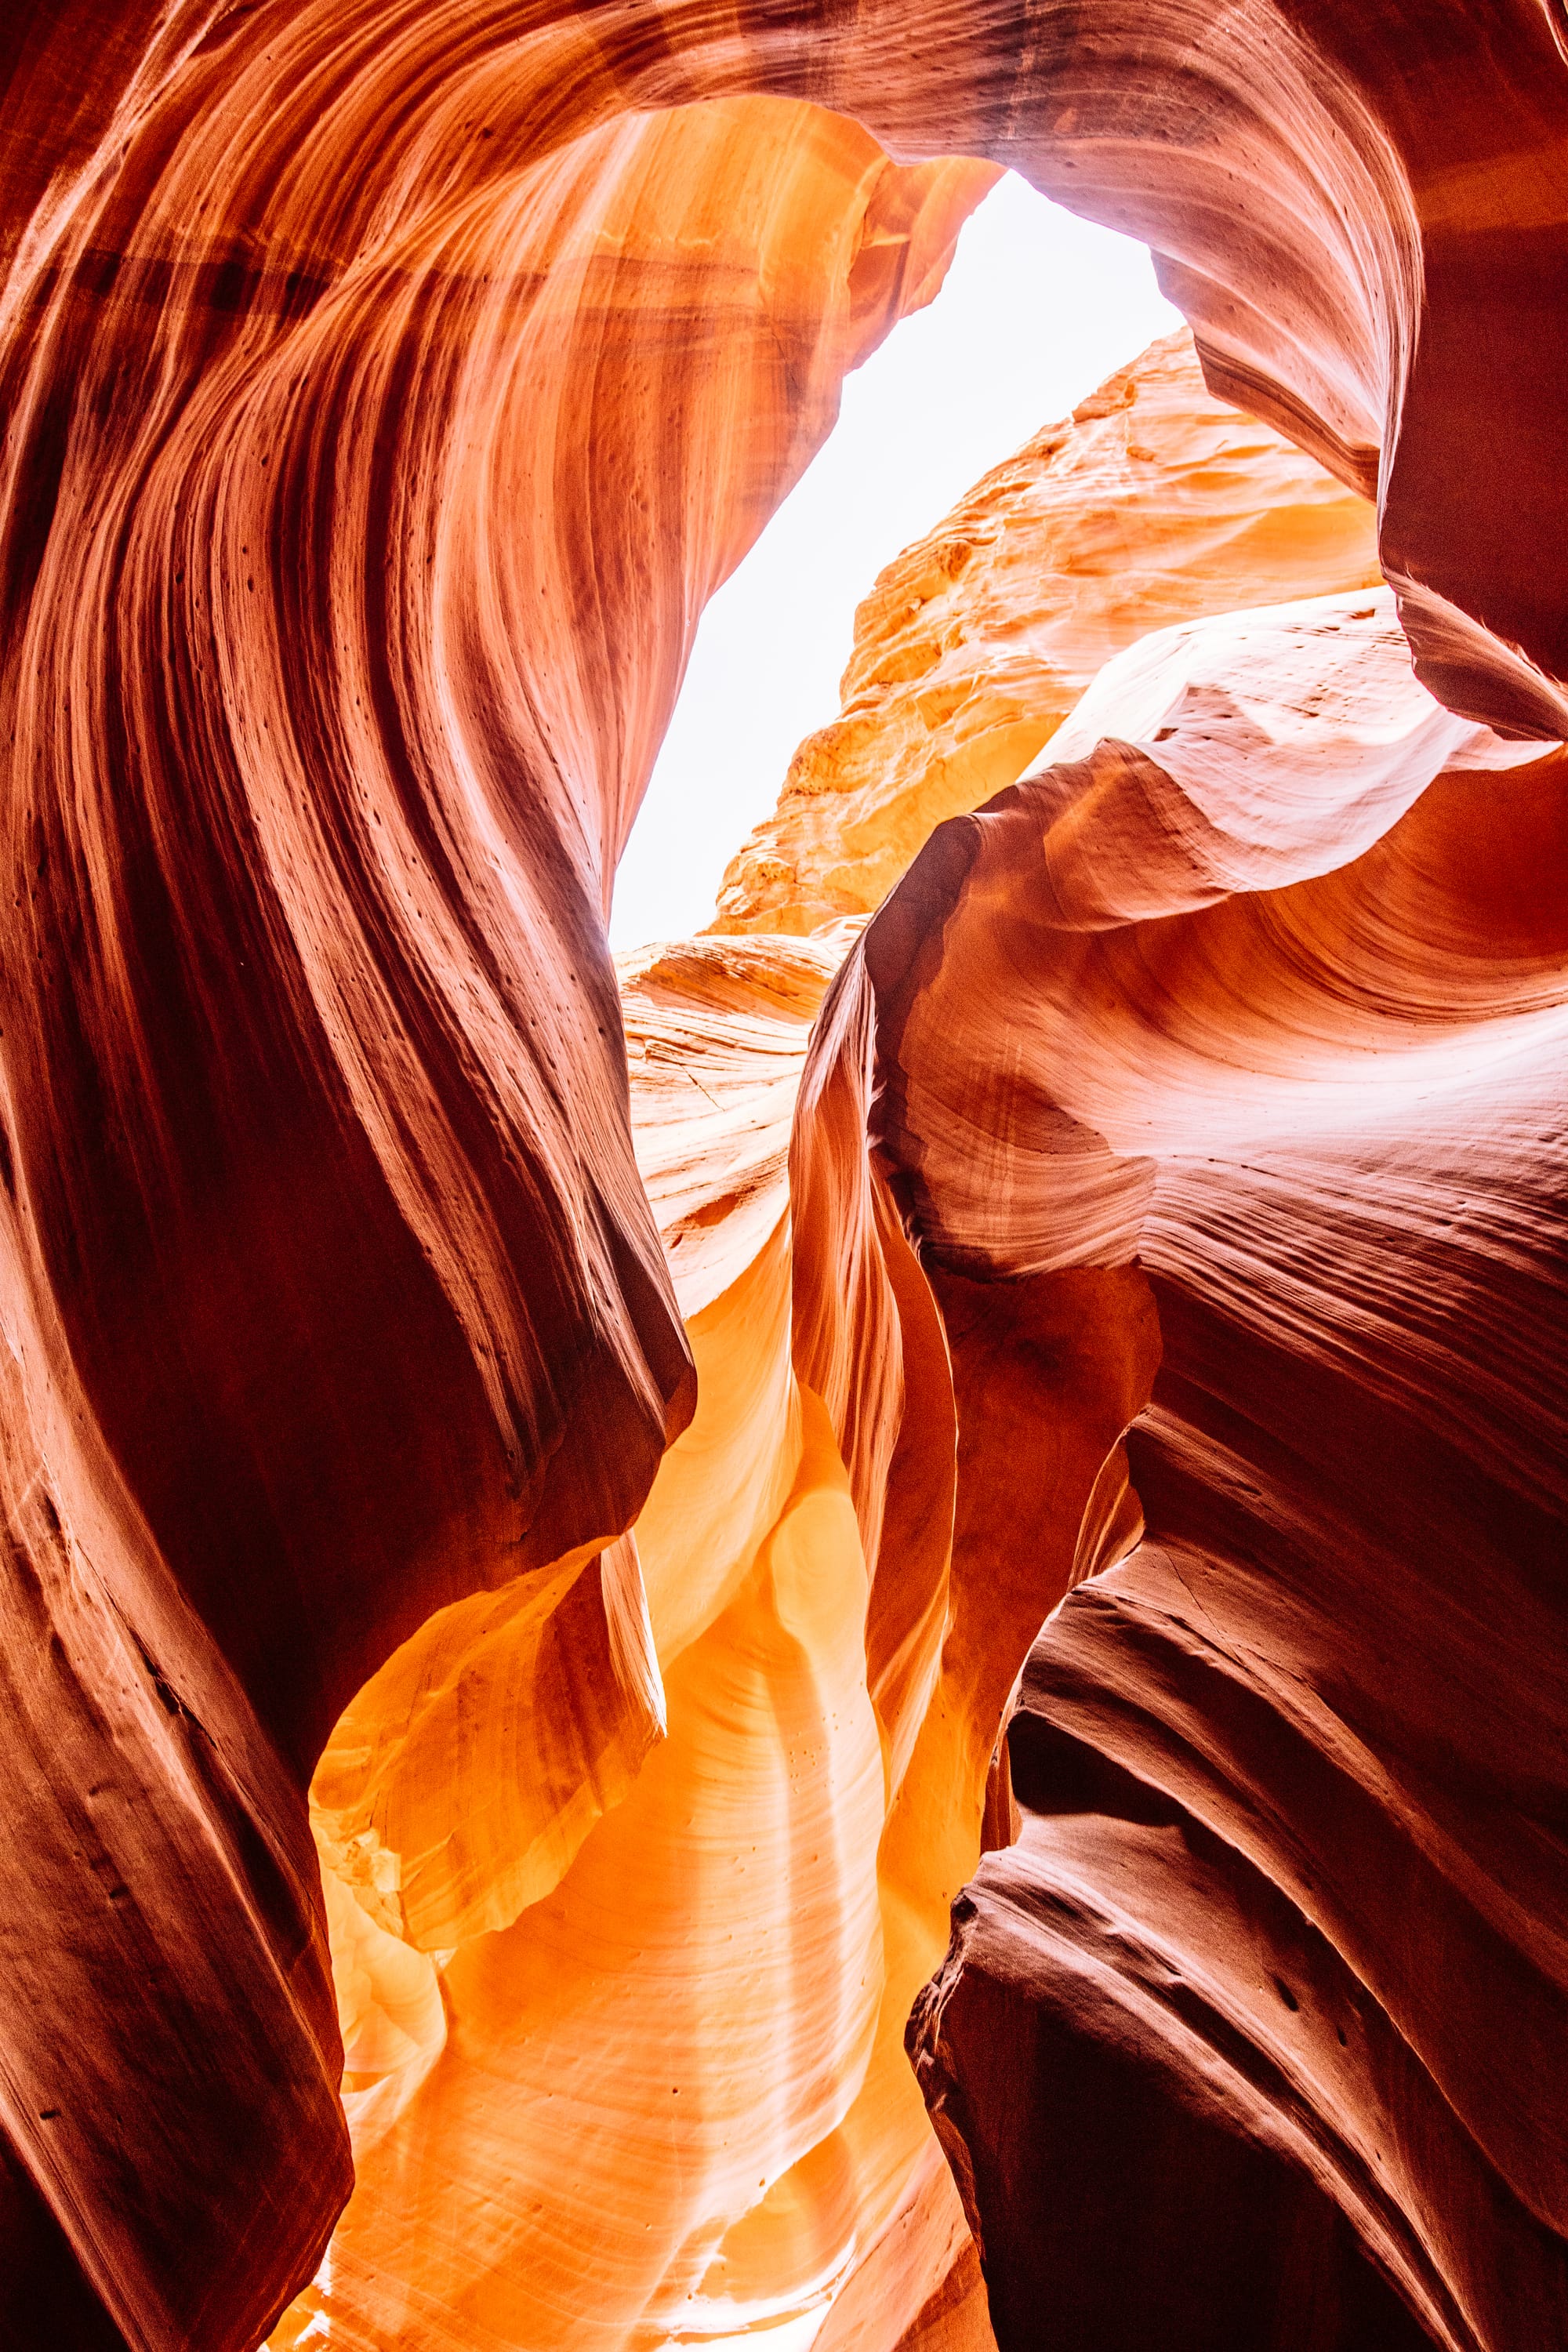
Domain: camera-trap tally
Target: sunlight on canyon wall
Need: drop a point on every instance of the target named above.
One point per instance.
(1153, 502)
(851, 1636)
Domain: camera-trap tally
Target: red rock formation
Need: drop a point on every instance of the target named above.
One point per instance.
(384, 388)
(331, 1256)
(1259, 1859)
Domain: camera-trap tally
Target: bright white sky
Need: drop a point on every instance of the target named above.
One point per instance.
(1037, 309)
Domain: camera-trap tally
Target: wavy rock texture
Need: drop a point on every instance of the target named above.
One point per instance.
(654, 2025)
(674, 2073)
(386, 387)
(1154, 503)
(330, 1252)
(1286, 1866)
(1216, 760)
(1156, 1969)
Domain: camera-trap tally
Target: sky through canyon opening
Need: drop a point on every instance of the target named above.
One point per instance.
(1038, 307)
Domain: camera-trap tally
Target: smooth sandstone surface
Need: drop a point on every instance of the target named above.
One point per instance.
(332, 1260)
(617, 1522)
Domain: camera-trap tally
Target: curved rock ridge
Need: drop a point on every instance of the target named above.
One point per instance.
(652, 2021)
(1136, 952)
(386, 387)
(1357, 216)
(663, 2051)
(1289, 1787)
(406, 841)
(1152, 504)
(356, 527)
(1285, 1924)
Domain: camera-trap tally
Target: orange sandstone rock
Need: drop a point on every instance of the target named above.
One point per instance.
(1154, 503)
(679, 2025)
(1267, 1093)
(384, 388)
(358, 521)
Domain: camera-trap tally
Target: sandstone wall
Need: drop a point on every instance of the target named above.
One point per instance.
(1171, 1229)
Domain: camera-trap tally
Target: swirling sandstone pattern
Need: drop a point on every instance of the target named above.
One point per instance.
(330, 1258)
(1251, 1840)
(386, 387)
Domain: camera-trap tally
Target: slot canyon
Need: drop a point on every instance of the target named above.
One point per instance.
(848, 1634)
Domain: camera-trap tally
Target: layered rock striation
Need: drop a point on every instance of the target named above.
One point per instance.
(1258, 1857)
(442, 1406)
(357, 523)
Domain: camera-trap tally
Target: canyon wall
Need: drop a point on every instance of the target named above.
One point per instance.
(629, 1525)
(358, 527)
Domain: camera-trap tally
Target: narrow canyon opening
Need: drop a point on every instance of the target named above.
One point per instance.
(1037, 309)
(834, 1621)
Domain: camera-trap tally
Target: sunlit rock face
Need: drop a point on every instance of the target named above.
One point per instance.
(617, 1530)
(1152, 503)
(360, 513)
(1258, 1854)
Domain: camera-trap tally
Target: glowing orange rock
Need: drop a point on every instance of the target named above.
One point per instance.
(846, 2205)
(1152, 503)
(331, 1249)
(646, 2077)
(385, 389)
